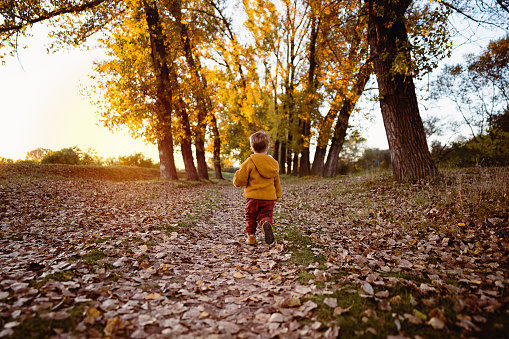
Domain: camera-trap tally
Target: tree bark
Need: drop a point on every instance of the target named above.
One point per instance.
(164, 92)
(305, 165)
(186, 141)
(295, 166)
(197, 88)
(388, 41)
(317, 168)
(349, 102)
(282, 158)
(217, 148)
(276, 150)
(331, 165)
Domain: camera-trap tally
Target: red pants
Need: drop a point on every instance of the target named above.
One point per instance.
(258, 212)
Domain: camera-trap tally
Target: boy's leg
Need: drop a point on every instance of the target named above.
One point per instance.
(265, 219)
(251, 212)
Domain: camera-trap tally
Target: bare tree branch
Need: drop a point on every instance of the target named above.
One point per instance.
(49, 15)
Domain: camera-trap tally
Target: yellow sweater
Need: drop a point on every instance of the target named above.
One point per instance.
(260, 174)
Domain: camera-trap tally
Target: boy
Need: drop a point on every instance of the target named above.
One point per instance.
(260, 174)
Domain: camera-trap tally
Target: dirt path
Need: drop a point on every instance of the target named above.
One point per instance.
(152, 259)
(140, 260)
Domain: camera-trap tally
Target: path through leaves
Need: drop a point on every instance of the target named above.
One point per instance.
(155, 259)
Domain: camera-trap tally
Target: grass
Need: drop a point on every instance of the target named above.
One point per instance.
(301, 246)
(37, 327)
(438, 205)
(93, 256)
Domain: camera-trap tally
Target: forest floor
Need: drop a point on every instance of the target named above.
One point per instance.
(87, 253)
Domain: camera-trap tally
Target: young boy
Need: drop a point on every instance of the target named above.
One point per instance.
(260, 174)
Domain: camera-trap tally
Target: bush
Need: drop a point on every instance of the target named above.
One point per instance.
(137, 160)
(489, 150)
(6, 160)
(72, 156)
(38, 154)
(66, 156)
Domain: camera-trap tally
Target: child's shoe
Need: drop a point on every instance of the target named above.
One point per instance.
(251, 239)
(267, 230)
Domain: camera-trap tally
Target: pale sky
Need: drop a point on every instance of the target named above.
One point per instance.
(41, 106)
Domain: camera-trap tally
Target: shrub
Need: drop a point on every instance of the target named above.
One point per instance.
(72, 156)
(67, 156)
(136, 159)
(6, 160)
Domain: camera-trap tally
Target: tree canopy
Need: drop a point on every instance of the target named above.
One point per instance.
(192, 72)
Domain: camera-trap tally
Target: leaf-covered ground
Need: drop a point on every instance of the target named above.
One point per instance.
(354, 256)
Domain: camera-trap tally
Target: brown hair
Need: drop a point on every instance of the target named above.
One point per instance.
(259, 141)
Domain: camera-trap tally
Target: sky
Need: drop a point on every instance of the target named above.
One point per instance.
(41, 105)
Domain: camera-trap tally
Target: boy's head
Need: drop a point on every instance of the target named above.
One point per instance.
(259, 141)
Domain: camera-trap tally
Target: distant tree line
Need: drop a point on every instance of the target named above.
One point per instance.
(75, 156)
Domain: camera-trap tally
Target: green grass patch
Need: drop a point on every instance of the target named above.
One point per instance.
(150, 242)
(93, 256)
(365, 318)
(180, 227)
(99, 240)
(131, 240)
(301, 247)
(36, 327)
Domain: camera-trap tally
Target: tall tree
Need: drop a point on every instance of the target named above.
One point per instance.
(164, 90)
(198, 86)
(390, 51)
(90, 17)
(348, 71)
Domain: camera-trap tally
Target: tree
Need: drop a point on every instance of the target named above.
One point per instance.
(478, 87)
(38, 154)
(90, 17)
(348, 69)
(136, 159)
(390, 50)
(66, 156)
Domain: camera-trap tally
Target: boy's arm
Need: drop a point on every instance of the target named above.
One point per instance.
(241, 176)
(277, 183)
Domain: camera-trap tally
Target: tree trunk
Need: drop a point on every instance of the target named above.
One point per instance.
(185, 147)
(276, 150)
(282, 158)
(197, 88)
(295, 169)
(317, 168)
(304, 168)
(217, 148)
(164, 93)
(186, 141)
(289, 154)
(387, 35)
(310, 101)
(166, 158)
(346, 110)
(331, 165)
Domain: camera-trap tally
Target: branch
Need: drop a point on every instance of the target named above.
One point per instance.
(52, 14)
(468, 16)
(504, 6)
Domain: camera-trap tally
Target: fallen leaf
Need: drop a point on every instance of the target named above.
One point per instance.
(436, 323)
(331, 302)
(153, 296)
(113, 325)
